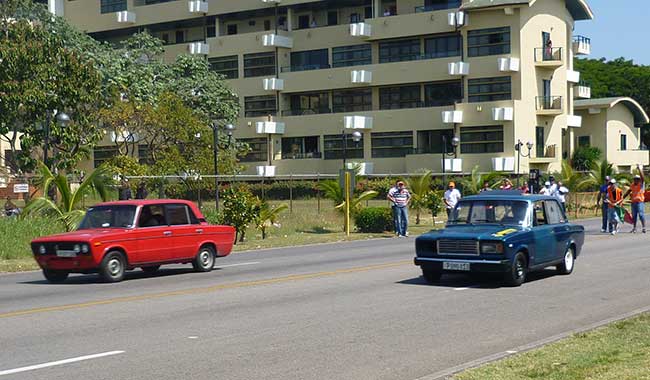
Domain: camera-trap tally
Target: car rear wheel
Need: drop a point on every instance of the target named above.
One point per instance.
(151, 269)
(204, 260)
(113, 267)
(518, 270)
(55, 276)
(431, 276)
(566, 267)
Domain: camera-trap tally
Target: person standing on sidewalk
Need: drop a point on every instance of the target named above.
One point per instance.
(400, 197)
(615, 197)
(636, 193)
(452, 196)
(602, 196)
(393, 206)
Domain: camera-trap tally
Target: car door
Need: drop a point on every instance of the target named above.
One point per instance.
(153, 235)
(543, 235)
(561, 229)
(184, 233)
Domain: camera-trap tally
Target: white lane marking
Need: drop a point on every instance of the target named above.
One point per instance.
(511, 352)
(192, 337)
(59, 362)
(236, 265)
(461, 288)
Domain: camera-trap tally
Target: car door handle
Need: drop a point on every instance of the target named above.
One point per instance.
(167, 233)
(199, 230)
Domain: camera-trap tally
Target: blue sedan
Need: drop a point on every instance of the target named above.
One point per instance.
(501, 232)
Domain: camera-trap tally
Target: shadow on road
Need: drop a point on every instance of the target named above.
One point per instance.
(475, 281)
(134, 275)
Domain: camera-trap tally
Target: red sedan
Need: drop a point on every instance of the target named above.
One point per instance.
(117, 236)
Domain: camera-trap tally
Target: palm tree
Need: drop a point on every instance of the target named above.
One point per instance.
(474, 183)
(596, 176)
(420, 186)
(333, 191)
(69, 209)
(268, 216)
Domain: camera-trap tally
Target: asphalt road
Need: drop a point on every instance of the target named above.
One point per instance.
(356, 310)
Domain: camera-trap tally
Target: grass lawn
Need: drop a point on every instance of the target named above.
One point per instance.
(619, 351)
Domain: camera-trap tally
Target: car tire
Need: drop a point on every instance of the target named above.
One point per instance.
(55, 276)
(566, 267)
(518, 270)
(113, 267)
(431, 276)
(204, 259)
(151, 269)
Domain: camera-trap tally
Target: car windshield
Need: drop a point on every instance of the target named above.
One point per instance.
(504, 212)
(108, 217)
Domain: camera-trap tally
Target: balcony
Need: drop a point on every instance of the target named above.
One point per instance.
(307, 111)
(273, 84)
(198, 48)
(197, 6)
(293, 69)
(457, 19)
(581, 45)
(126, 17)
(270, 127)
(361, 76)
(544, 154)
(574, 121)
(583, 90)
(508, 64)
(502, 114)
(357, 122)
(276, 40)
(301, 155)
(548, 105)
(458, 68)
(361, 29)
(548, 57)
(452, 117)
(573, 76)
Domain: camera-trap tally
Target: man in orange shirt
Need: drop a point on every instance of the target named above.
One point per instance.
(614, 198)
(636, 193)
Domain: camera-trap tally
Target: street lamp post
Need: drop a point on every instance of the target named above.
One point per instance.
(455, 141)
(62, 119)
(215, 145)
(518, 146)
(356, 137)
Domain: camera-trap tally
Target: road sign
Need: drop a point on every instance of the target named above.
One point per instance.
(21, 188)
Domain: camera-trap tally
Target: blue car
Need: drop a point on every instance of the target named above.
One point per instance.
(503, 232)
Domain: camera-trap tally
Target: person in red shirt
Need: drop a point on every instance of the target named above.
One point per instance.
(615, 198)
(636, 193)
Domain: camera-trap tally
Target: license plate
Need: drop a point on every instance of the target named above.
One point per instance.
(455, 266)
(66, 253)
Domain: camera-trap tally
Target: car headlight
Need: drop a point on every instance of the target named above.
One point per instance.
(85, 248)
(42, 250)
(76, 248)
(492, 247)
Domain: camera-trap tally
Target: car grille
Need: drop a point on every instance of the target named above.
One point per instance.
(458, 247)
(51, 248)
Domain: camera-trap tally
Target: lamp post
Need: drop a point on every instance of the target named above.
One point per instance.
(62, 119)
(518, 146)
(215, 145)
(356, 137)
(455, 141)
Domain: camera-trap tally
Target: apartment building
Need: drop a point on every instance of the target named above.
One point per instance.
(412, 76)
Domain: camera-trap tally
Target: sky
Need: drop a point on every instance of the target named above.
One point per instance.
(620, 28)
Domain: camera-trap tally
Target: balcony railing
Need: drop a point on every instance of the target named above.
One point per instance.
(548, 151)
(450, 4)
(548, 103)
(290, 69)
(301, 155)
(548, 54)
(582, 39)
(306, 111)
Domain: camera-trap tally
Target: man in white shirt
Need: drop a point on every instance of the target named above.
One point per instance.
(546, 190)
(452, 196)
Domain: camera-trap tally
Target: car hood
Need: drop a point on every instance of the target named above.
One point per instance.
(481, 232)
(83, 235)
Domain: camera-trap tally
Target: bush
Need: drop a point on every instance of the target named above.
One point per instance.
(374, 219)
(584, 157)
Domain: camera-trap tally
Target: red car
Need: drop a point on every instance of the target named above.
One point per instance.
(117, 236)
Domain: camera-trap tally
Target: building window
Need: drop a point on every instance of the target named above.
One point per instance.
(110, 6)
(256, 106)
(303, 21)
(487, 139)
(623, 142)
(392, 144)
(259, 64)
(102, 154)
(226, 66)
(400, 50)
(231, 29)
(310, 60)
(492, 41)
(443, 93)
(333, 147)
(353, 55)
(267, 25)
(180, 36)
(443, 46)
(436, 5)
(332, 18)
(489, 89)
(294, 148)
(584, 141)
(352, 100)
(309, 104)
(258, 150)
(399, 97)
(211, 29)
(431, 141)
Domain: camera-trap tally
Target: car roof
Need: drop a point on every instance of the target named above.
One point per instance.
(144, 202)
(510, 195)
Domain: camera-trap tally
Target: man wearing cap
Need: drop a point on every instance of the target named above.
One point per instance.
(615, 197)
(452, 196)
(546, 190)
(602, 195)
(636, 193)
(400, 197)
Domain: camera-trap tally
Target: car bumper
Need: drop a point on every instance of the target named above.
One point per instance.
(73, 264)
(475, 266)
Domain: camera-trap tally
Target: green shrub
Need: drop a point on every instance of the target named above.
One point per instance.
(240, 208)
(374, 219)
(584, 157)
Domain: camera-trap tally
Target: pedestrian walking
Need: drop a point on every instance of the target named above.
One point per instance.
(486, 187)
(506, 184)
(141, 192)
(615, 197)
(560, 194)
(525, 189)
(400, 197)
(546, 190)
(452, 196)
(602, 196)
(636, 193)
(124, 191)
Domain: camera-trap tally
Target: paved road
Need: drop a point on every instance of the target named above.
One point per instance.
(355, 310)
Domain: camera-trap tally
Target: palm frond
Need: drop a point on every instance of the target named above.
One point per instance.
(72, 219)
(63, 186)
(42, 206)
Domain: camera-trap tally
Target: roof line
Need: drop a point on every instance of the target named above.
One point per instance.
(640, 116)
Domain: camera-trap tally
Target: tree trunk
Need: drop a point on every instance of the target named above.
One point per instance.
(263, 233)
(241, 237)
(433, 218)
(236, 237)
(417, 216)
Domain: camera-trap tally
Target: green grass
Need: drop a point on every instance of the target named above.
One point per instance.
(619, 351)
(15, 236)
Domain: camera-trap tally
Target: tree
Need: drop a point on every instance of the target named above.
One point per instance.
(420, 187)
(268, 216)
(69, 209)
(333, 191)
(240, 209)
(474, 183)
(584, 157)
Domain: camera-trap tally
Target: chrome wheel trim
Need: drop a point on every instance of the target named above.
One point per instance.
(519, 268)
(568, 259)
(114, 266)
(205, 258)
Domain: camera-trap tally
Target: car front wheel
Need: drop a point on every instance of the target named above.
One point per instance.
(55, 276)
(518, 270)
(113, 267)
(566, 267)
(204, 260)
(431, 276)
